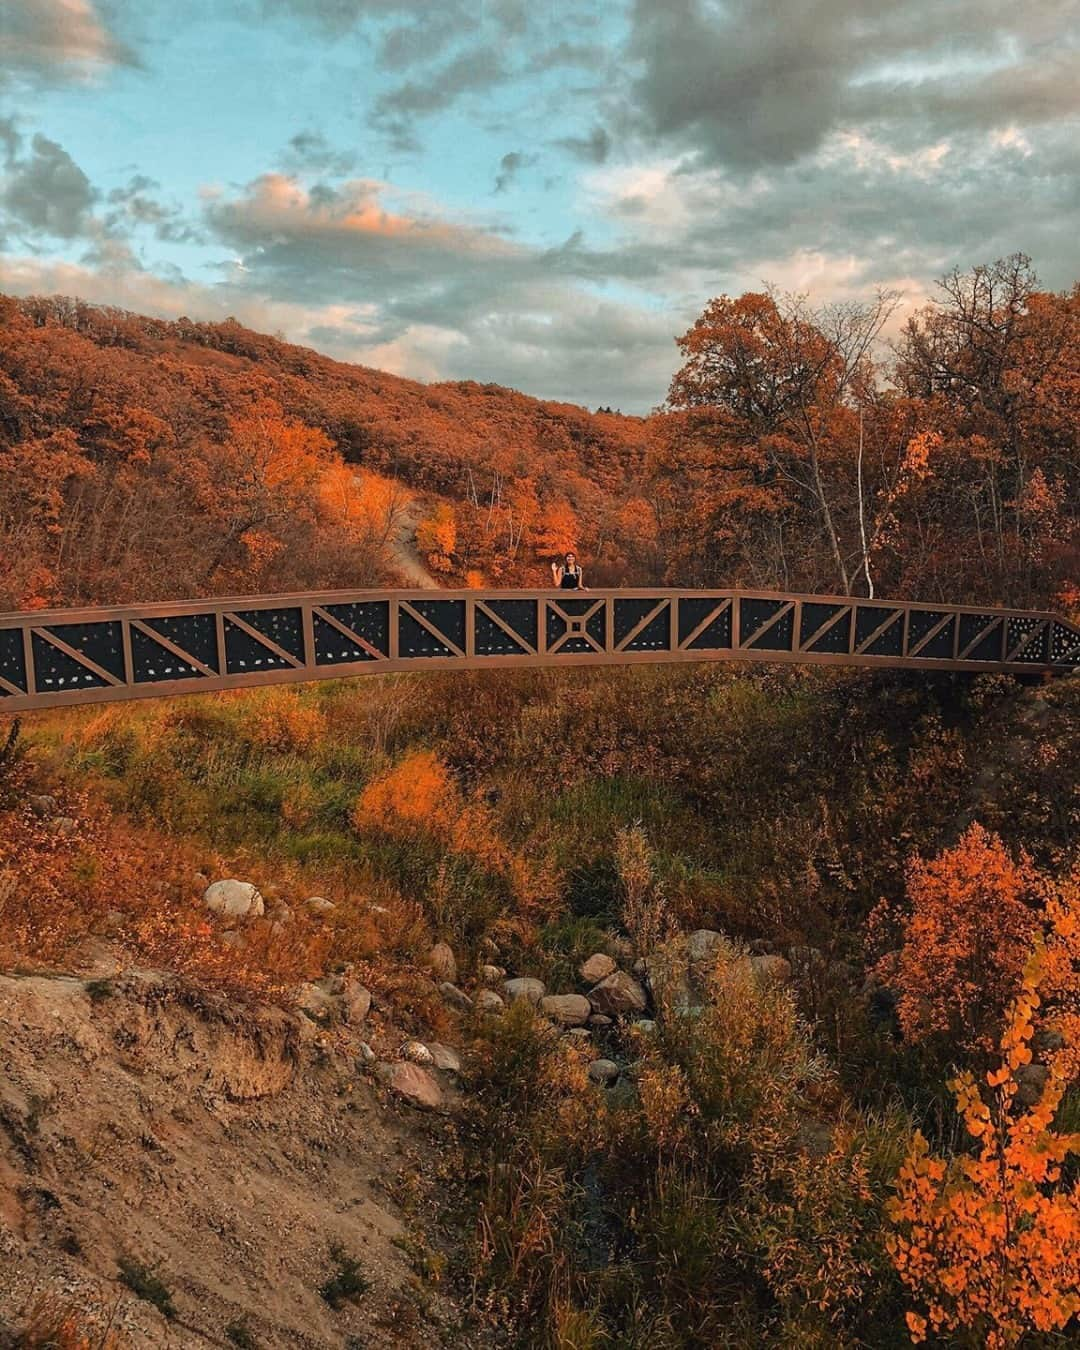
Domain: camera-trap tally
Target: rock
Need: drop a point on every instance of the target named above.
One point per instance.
(524, 987)
(598, 967)
(233, 939)
(357, 1000)
(413, 1083)
(66, 825)
(619, 994)
(492, 974)
(600, 1021)
(580, 1034)
(417, 1052)
(762, 947)
(457, 998)
(771, 970)
(640, 967)
(569, 1010)
(279, 913)
(488, 1001)
(444, 1057)
(806, 959)
(1047, 1041)
(1030, 1081)
(234, 899)
(43, 805)
(702, 948)
(440, 961)
(646, 1026)
(318, 906)
(317, 1003)
(603, 1071)
(365, 1056)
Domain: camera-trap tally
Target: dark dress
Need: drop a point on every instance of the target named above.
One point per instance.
(571, 581)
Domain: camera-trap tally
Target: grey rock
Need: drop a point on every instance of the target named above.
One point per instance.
(413, 1083)
(318, 906)
(316, 1002)
(524, 986)
(618, 995)
(357, 1001)
(598, 967)
(488, 1001)
(600, 1021)
(365, 1056)
(569, 1010)
(603, 1071)
(455, 997)
(442, 963)
(417, 1053)
(234, 899)
(492, 974)
(1030, 1081)
(444, 1057)
(771, 970)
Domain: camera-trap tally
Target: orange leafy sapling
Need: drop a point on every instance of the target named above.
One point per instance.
(973, 916)
(989, 1242)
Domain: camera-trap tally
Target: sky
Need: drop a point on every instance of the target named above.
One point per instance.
(542, 195)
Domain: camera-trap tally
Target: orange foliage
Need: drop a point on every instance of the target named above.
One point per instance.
(990, 1243)
(973, 914)
(279, 720)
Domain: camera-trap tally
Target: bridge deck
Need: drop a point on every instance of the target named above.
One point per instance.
(56, 657)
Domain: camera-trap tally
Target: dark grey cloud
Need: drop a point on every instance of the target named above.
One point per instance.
(510, 166)
(47, 192)
(475, 68)
(136, 205)
(311, 152)
(592, 149)
(756, 83)
(408, 44)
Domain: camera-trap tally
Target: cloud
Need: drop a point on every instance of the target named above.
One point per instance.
(751, 84)
(311, 152)
(510, 166)
(593, 148)
(48, 193)
(57, 39)
(477, 68)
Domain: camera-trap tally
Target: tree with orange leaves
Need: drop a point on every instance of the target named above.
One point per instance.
(989, 1243)
(974, 911)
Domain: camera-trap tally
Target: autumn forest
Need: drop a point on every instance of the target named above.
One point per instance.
(836, 912)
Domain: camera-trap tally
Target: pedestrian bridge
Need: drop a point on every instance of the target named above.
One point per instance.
(56, 657)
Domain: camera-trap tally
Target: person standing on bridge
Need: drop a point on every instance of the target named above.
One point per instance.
(568, 575)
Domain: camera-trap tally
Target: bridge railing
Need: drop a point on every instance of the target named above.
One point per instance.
(56, 657)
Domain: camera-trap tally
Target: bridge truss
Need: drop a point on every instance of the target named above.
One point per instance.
(56, 657)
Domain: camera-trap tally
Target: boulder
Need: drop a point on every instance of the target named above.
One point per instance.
(417, 1052)
(646, 1026)
(492, 974)
(762, 947)
(444, 1057)
(702, 948)
(234, 899)
(771, 970)
(569, 1010)
(357, 1001)
(598, 967)
(524, 986)
(600, 1021)
(455, 997)
(1030, 1082)
(488, 1001)
(66, 825)
(316, 1002)
(618, 995)
(603, 1071)
(440, 961)
(580, 1034)
(413, 1083)
(365, 1056)
(318, 906)
(43, 805)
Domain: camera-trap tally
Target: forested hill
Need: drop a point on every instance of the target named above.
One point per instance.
(148, 459)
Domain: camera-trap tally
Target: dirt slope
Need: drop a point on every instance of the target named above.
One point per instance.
(224, 1146)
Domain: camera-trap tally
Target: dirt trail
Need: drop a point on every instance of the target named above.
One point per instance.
(225, 1146)
(404, 552)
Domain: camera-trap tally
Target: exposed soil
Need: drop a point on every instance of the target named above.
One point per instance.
(223, 1146)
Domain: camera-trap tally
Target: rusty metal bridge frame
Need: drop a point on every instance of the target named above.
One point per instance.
(54, 657)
